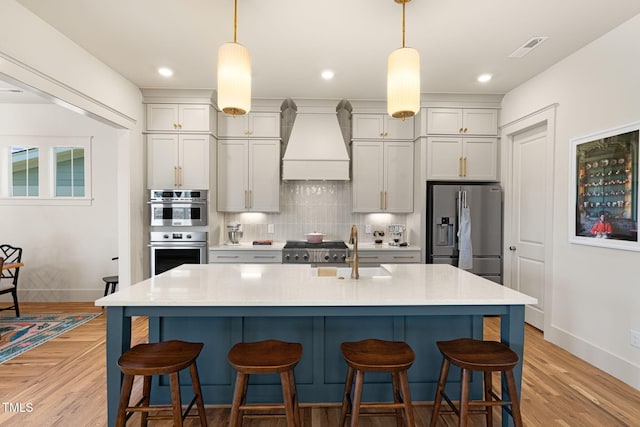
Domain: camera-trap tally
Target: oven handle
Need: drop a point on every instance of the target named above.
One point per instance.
(176, 203)
(180, 245)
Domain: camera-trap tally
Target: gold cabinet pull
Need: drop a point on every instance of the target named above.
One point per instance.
(179, 125)
(382, 200)
(250, 199)
(175, 176)
(460, 130)
(246, 193)
(465, 130)
(180, 176)
(175, 126)
(246, 132)
(465, 166)
(385, 201)
(460, 166)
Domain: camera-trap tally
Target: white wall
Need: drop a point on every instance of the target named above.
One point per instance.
(34, 54)
(66, 249)
(595, 291)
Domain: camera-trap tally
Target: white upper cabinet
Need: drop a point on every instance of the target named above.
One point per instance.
(381, 126)
(251, 125)
(179, 117)
(248, 176)
(462, 121)
(472, 159)
(178, 161)
(382, 176)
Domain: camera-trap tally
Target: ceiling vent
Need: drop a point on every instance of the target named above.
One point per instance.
(531, 44)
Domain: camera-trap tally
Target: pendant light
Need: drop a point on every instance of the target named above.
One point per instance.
(234, 74)
(403, 78)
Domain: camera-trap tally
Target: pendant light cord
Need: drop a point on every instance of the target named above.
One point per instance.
(235, 21)
(403, 5)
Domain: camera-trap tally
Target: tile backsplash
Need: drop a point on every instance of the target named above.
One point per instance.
(313, 206)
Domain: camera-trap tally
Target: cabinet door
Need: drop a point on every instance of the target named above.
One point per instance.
(264, 176)
(251, 125)
(480, 159)
(368, 178)
(264, 125)
(194, 117)
(445, 121)
(232, 176)
(162, 161)
(367, 126)
(398, 176)
(480, 121)
(398, 128)
(162, 117)
(194, 162)
(230, 126)
(444, 158)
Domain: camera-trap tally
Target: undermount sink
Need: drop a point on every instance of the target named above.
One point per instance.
(345, 272)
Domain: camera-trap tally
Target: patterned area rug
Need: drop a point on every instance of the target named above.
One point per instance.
(21, 334)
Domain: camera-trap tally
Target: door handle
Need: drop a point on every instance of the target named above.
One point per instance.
(512, 248)
(460, 166)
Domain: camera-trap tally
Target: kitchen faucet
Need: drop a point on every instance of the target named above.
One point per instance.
(355, 258)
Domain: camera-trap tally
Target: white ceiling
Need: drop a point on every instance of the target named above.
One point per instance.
(292, 41)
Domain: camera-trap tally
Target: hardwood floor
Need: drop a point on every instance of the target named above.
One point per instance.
(62, 383)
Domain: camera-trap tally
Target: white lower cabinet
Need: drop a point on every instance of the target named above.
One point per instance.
(450, 158)
(382, 176)
(248, 256)
(178, 161)
(388, 256)
(248, 176)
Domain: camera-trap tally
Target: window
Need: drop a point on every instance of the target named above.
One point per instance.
(69, 180)
(24, 171)
(45, 170)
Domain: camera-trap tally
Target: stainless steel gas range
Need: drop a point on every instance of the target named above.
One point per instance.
(328, 252)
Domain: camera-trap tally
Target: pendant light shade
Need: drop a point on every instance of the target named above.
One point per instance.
(234, 74)
(403, 78)
(403, 83)
(234, 79)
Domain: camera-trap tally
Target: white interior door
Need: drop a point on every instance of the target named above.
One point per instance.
(529, 206)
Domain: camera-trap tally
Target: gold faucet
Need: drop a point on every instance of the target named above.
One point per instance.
(355, 258)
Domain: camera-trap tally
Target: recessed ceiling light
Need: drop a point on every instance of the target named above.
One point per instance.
(327, 74)
(165, 72)
(483, 78)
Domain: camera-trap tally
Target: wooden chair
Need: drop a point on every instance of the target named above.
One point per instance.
(374, 355)
(163, 358)
(9, 275)
(476, 355)
(265, 357)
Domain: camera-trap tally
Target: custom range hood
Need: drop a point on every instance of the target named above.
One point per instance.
(315, 139)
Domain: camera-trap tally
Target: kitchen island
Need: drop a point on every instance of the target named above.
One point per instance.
(223, 304)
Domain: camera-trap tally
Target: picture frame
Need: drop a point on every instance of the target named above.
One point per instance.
(604, 188)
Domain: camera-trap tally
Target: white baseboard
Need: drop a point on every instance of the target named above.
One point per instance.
(622, 369)
(57, 295)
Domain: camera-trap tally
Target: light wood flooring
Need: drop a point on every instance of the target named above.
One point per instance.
(63, 381)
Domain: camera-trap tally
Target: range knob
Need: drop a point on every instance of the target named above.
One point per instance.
(344, 257)
(326, 257)
(335, 257)
(296, 257)
(287, 257)
(305, 257)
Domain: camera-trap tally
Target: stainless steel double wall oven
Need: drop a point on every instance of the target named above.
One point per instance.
(178, 218)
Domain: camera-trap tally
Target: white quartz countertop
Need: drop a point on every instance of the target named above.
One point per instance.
(283, 285)
(279, 245)
(383, 247)
(243, 246)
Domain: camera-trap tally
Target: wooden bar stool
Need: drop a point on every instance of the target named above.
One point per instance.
(374, 355)
(476, 355)
(163, 358)
(265, 357)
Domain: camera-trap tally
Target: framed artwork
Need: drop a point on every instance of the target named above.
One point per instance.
(604, 189)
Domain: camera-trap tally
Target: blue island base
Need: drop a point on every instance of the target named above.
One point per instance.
(320, 375)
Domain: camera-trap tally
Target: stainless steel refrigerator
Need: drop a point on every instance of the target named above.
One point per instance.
(484, 201)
